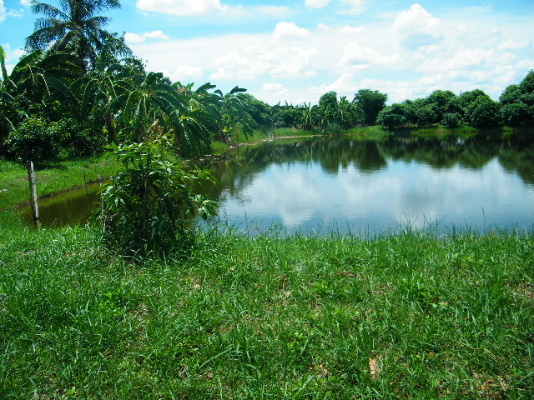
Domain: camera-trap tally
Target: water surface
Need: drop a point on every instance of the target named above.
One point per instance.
(348, 186)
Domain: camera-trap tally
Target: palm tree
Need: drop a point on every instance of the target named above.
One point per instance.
(75, 28)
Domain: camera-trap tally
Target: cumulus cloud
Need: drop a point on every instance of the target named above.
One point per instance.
(136, 38)
(416, 27)
(290, 30)
(277, 61)
(317, 3)
(26, 3)
(344, 30)
(343, 85)
(466, 59)
(186, 73)
(354, 7)
(181, 7)
(513, 44)
(2, 11)
(356, 54)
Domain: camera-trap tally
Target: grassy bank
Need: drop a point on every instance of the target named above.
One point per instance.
(405, 317)
(52, 178)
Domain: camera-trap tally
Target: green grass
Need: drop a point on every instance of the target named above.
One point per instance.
(52, 178)
(268, 318)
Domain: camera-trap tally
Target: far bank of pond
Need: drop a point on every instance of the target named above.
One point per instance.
(344, 185)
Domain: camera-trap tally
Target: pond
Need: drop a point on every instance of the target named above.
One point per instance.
(336, 184)
(346, 186)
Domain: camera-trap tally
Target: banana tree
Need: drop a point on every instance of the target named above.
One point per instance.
(235, 118)
(34, 85)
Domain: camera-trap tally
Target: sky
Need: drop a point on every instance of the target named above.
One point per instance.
(296, 50)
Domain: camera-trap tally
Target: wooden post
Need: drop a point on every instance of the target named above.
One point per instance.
(34, 198)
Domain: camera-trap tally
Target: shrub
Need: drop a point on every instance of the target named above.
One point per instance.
(148, 205)
(35, 139)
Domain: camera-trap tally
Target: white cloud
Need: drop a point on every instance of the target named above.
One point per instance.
(317, 3)
(466, 59)
(355, 7)
(345, 30)
(416, 27)
(513, 44)
(186, 73)
(181, 7)
(136, 38)
(343, 86)
(290, 30)
(291, 62)
(273, 92)
(356, 54)
(2, 11)
(272, 87)
(26, 3)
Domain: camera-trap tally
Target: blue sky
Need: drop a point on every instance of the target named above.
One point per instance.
(297, 50)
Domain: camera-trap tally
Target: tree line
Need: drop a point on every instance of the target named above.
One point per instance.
(80, 88)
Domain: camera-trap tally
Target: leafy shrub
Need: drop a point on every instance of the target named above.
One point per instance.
(35, 139)
(148, 205)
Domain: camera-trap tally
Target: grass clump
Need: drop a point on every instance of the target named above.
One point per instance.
(409, 316)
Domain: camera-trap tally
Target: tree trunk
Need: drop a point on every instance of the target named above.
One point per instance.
(34, 198)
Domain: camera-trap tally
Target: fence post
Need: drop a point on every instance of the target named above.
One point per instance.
(34, 198)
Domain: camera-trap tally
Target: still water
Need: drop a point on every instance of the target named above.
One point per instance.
(362, 187)
(324, 185)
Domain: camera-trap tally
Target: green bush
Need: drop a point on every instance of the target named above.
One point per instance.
(148, 205)
(35, 139)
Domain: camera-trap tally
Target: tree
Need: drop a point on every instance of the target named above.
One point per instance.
(442, 102)
(235, 118)
(371, 102)
(329, 118)
(517, 102)
(391, 117)
(75, 27)
(484, 113)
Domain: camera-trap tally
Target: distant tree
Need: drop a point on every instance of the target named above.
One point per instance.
(517, 103)
(527, 84)
(443, 102)
(484, 113)
(371, 102)
(452, 120)
(516, 114)
(467, 99)
(258, 110)
(426, 115)
(392, 117)
(328, 109)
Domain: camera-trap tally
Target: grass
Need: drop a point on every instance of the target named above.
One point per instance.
(411, 316)
(51, 178)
